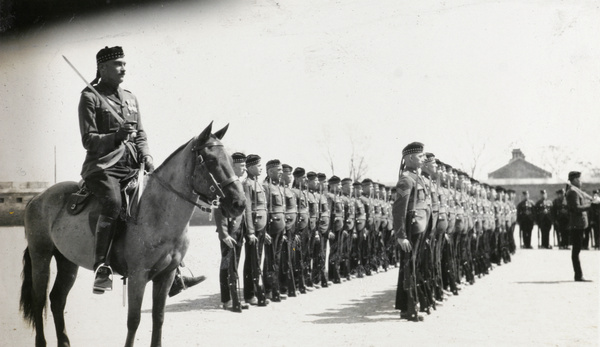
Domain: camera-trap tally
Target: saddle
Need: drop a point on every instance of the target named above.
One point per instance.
(129, 192)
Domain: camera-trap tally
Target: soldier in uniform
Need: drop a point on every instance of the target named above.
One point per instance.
(290, 237)
(313, 241)
(323, 226)
(513, 221)
(410, 223)
(543, 218)
(525, 218)
(578, 205)
(560, 216)
(336, 206)
(595, 218)
(302, 246)
(231, 235)
(275, 230)
(257, 200)
(366, 200)
(115, 148)
(359, 245)
(349, 228)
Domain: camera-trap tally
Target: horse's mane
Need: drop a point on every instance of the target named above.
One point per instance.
(175, 153)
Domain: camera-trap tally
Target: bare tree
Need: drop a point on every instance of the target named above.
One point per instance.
(357, 165)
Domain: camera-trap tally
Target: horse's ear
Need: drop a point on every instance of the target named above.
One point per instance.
(219, 134)
(205, 134)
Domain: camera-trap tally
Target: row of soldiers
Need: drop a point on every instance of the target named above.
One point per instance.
(548, 214)
(450, 227)
(316, 232)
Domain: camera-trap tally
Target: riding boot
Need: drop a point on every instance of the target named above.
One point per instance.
(103, 237)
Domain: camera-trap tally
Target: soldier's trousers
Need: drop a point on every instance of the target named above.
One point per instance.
(319, 270)
(226, 257)
(576, 237)
(512, 246)
(273, 262)
(406, 291)
(526, 227)
(545, 226)
(249, 290)
(334, 256)
(448, 267)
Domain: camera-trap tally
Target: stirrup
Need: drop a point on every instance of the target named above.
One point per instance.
(102, 289)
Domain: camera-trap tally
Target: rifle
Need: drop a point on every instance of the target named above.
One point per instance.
(255, 259)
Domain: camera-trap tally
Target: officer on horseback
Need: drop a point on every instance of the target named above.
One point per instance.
(116, 145)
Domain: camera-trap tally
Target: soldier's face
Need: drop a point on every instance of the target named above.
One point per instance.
(287, 176)
(366, 189)
(239, 169)
(312, 184)
(358, 190)
(544, 195)
(254, 170)
(275, 172)
(347, 189)
(113, 71)
(525, 196)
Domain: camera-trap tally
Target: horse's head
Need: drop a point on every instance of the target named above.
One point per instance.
(213, 173)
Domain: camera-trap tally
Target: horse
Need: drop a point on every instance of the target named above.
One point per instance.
(149, 248)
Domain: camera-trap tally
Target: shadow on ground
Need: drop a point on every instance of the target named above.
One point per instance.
(209, 302)
(378, 308)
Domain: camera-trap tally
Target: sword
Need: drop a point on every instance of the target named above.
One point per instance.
(110, 108)
(140, 179)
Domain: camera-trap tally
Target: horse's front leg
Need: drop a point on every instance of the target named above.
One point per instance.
(135, 293)
(160, 289)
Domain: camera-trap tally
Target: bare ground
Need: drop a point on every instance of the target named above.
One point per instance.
(531, 301)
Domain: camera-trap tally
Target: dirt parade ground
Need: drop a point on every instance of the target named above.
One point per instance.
(531, 301)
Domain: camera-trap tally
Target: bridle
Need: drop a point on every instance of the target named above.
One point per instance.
(212, 202)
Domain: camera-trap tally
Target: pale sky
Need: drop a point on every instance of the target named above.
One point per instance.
(297, 78)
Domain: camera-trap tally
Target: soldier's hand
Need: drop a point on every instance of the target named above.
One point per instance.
(252, 239)
(345, 233)
(284, 238)
(317, 237)
(267, 239)
(149, 163)
(297, 238)
(229, 241)
(331, 235)
(405, 245)
(124, 131)
(354, 236)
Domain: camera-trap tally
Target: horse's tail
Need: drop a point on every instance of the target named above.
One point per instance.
(27, 301)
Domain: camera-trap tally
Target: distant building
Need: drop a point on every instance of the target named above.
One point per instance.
(521, 175)
(14, 196)
(519, 168)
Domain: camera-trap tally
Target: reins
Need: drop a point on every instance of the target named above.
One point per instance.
(216, 188)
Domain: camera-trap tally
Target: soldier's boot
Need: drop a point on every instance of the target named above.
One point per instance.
(181, 283)
(103, 237)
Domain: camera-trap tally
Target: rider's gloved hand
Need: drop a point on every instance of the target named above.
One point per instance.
(124, 132)
(149, 163)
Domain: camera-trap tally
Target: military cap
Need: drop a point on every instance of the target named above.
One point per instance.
(238, 157)
(298, 172)
(543, 191)
(346, 181)
(560, 191)
(500, 189)
(311, 175)
(273, 163)
(367, 181)
(474, 181)
(252, 159)
(393, 189)
(525, 192)
(448, 167)
(413, 148)
(286, 167)
(321, 176)
(574, 174)
(356, 184)
(429, 157)
(334, 180)
(106, 54)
